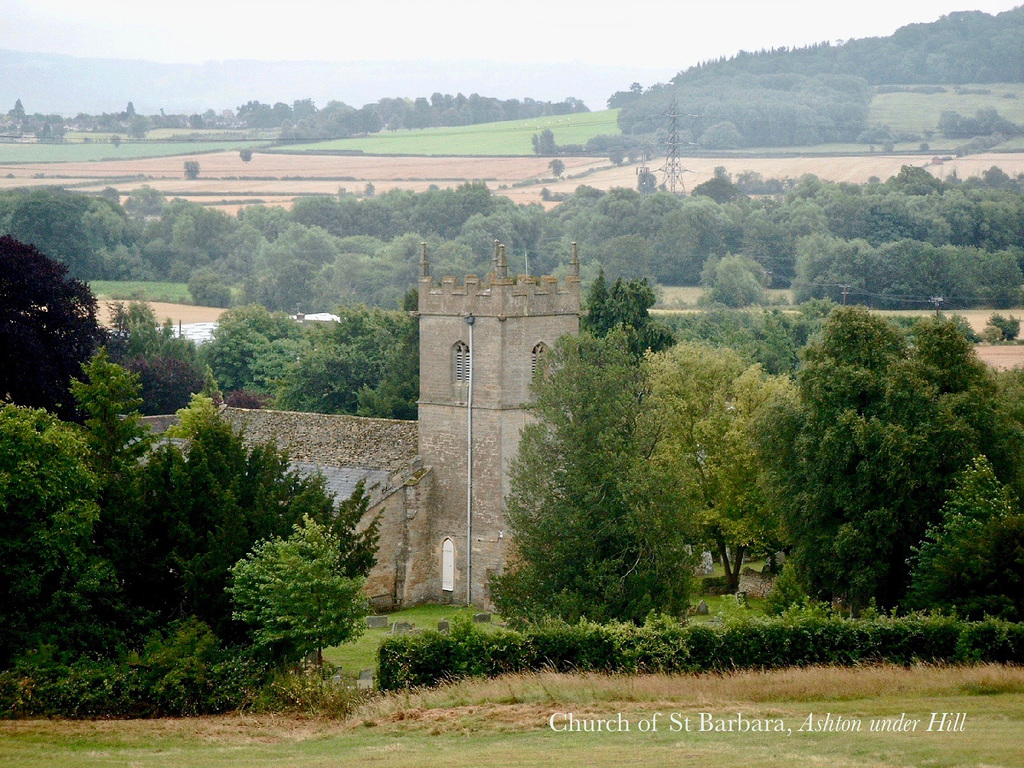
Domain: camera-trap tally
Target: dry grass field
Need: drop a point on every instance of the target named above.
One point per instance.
(506, 722)
(276, 179)
(176, 313)
(1002, 357)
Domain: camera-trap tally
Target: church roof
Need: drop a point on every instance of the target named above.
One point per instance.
(341, 481)
(346, 443)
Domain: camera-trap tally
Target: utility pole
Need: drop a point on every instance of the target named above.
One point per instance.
(937, 301)
(846, 290)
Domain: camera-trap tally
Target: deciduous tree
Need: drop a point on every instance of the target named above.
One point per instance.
(708, 402)
(598, 531)
(865, 459)
(48, 329)
(972, 561)
(294, 594)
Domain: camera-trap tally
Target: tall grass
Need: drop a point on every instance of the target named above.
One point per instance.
(803, 684)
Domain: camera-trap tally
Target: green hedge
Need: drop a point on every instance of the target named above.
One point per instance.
(801, 639)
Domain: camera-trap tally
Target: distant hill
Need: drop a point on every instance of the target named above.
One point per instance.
(964, 47)
(821, 93)
(67, 85)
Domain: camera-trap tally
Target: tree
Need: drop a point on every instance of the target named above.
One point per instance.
(1003, 328)
(207, 289)
(203, 508)
(191, 169)
(646, 182)
(55, 589)
(252, 349)
(598, 531)
(544, 143)
(734, 280)
(972, 561)
(108, 397)
(864, 460)
(720, 189)
(366, 363)
(18, 113)
(557, 167)
(168, 367)
(48, 329)
(625, 307)
(708, 402)
(294, 594)
(245, 154)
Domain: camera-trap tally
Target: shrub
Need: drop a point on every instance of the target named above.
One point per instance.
(786, 591)
(310, 692)
(184, 672)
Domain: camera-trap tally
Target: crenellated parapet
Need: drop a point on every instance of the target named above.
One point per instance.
(499, 295)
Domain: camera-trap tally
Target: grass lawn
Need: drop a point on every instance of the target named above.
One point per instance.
(361, 654)
(506, 722)
(513, 137)
(131, 290)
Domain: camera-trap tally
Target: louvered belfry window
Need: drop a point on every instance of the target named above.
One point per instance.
(537, 357)
(460, 362)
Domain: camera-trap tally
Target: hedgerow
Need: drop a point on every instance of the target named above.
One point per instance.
(800, 638)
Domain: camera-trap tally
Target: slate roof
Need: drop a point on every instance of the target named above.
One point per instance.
(341, 481)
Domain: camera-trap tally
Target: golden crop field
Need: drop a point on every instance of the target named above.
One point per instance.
(228, 183)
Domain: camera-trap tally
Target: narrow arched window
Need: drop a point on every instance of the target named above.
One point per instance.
(460, 362)
(448, 566)
(537, 356)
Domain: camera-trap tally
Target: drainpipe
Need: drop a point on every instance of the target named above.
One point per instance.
(470, 320)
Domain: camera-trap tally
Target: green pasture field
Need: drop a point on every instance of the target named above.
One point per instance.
(180, 134)
(128, 150)
(688, 296)
(212, 134)
(507, 722)
(919, 111)
(512, 137)
(137, 290)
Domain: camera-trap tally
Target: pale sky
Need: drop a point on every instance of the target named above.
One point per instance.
(654, 34)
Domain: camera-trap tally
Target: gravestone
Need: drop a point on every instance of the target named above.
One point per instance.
(444, 626)
(377, 622)
(365, 681)
(481, 618)
(702, 609)
(401, 628)
(707, 564)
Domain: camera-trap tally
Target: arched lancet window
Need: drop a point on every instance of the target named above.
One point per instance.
(460, 362)
(537, 356)
(448, 566)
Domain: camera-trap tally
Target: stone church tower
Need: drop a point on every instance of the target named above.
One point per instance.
(480, 343)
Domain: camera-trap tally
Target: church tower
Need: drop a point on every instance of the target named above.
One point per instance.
(480, 343)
